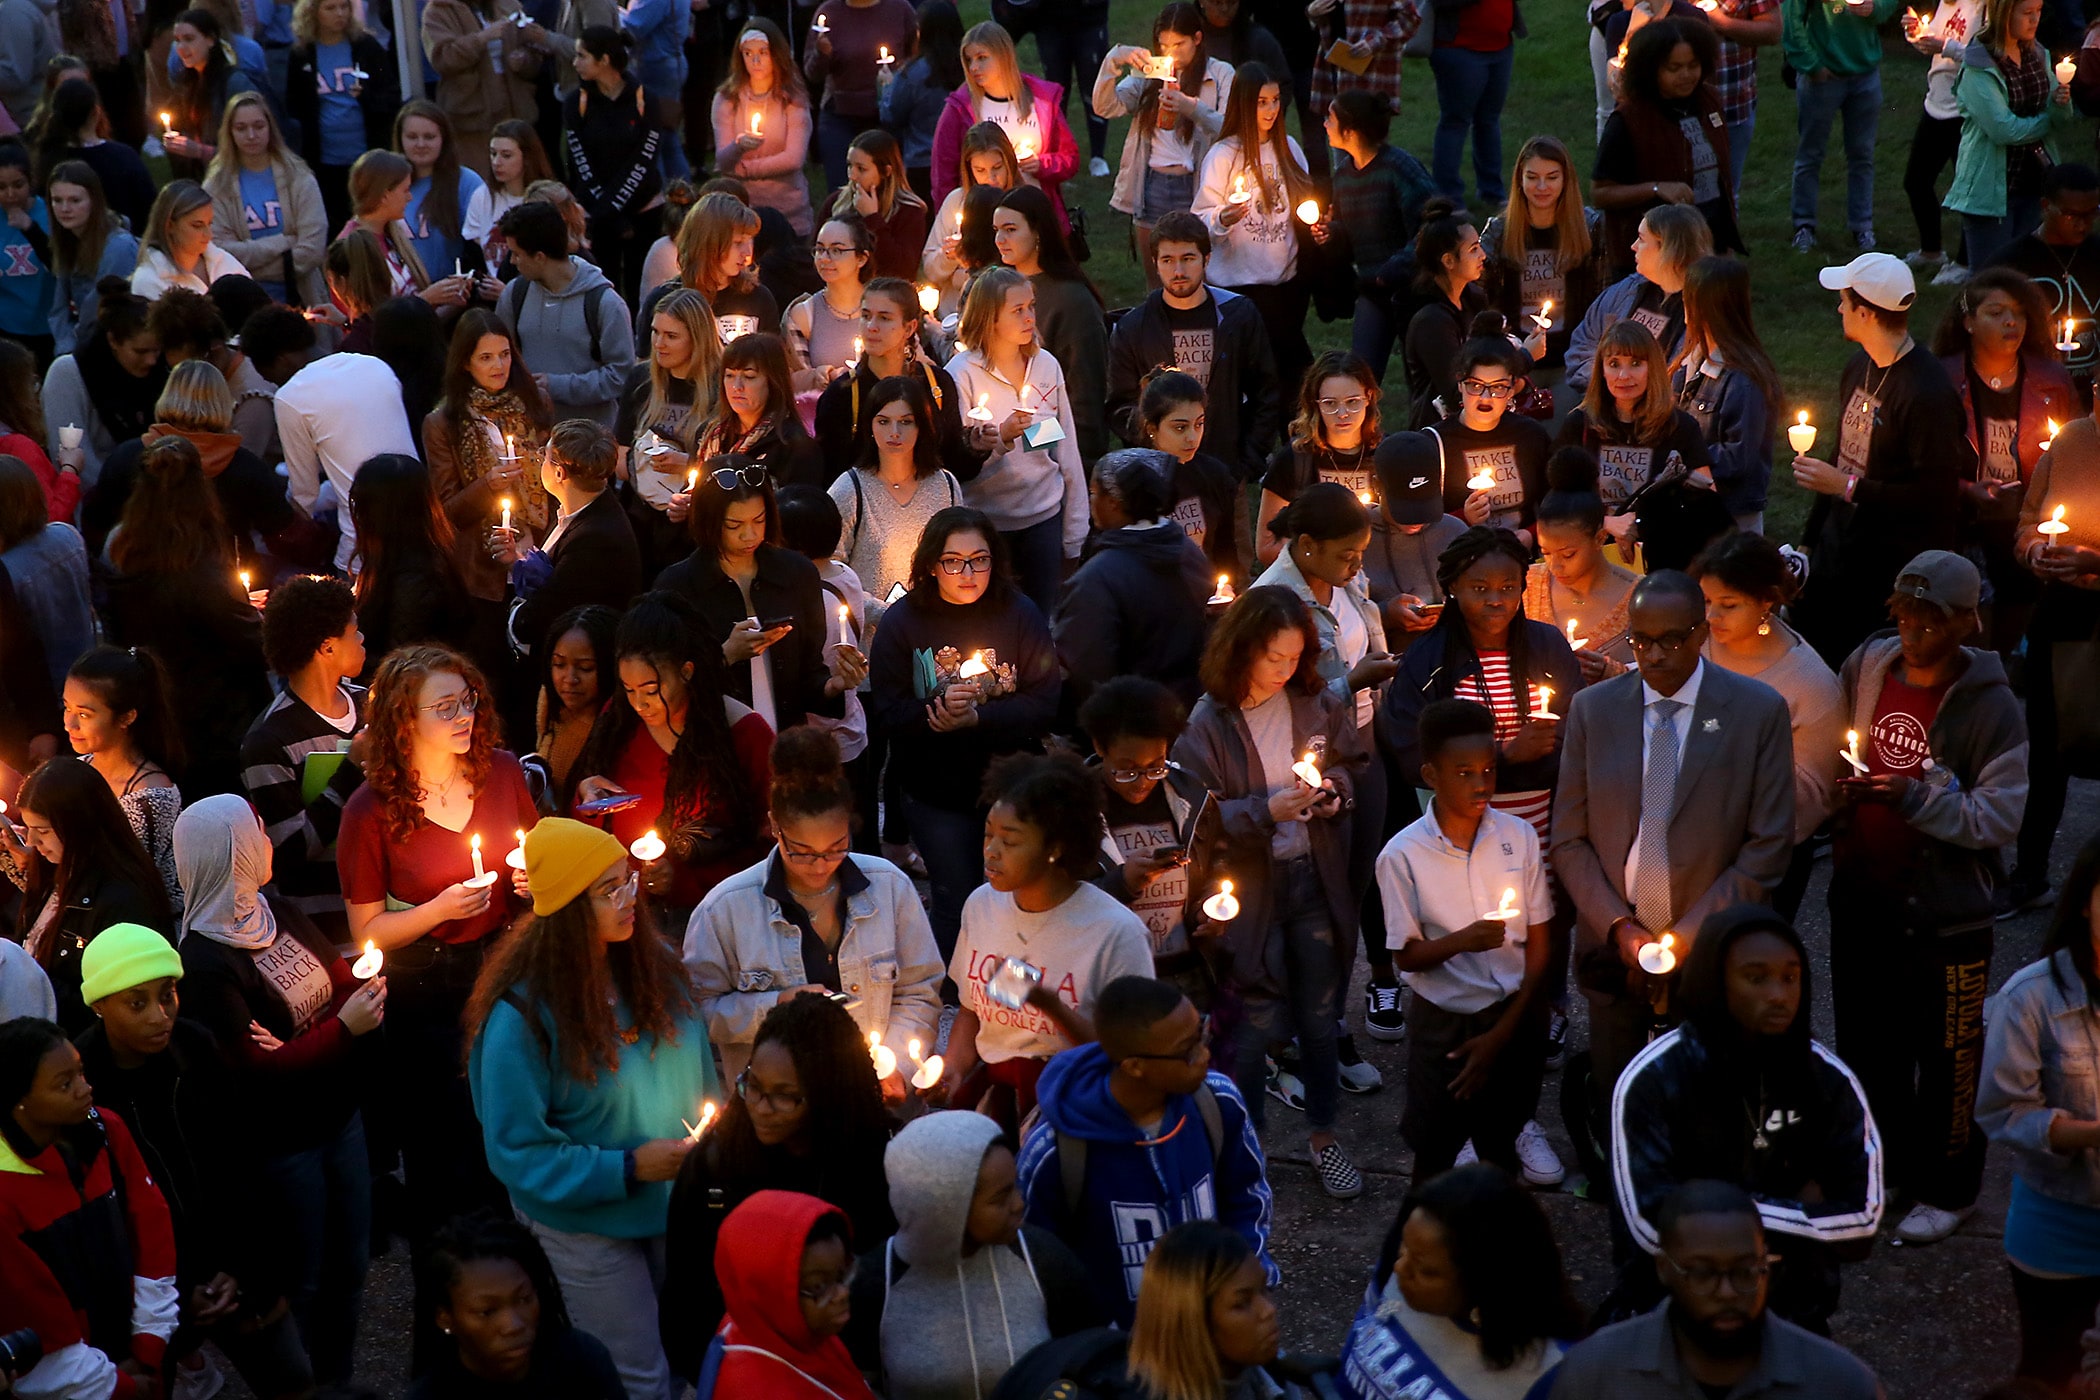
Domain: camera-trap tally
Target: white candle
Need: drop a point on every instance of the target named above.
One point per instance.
(367, 966)
(1850, 753)
(1544, 695)
(1239, 189)
(1224, 593)
(167, 125)
(458, 270)
(857, 349)
(1507, 910)
(2066, 69)
(845, 624)
(692, 479)
(1222, 907)
(1659, 957)
(822, 26)
(2069, 341)
(647, 847)
(755, 116)
(1309, 211)
(506, 525)
(516, 859)
(707, 1118)
(245, 577)
(1024, 149)
(1482, 480)
(885, 60)
(1307, 771)
(929, 300)
(1802, 435)
(70, 435)
(885, 1058)
(983, 412)
(1544, 315)
(974, 667)
(474, 849)
(2054, 525)
(510, 448)
(1578, 643)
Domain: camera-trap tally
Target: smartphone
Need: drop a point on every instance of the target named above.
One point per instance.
(768, 624)
(616, 802)
(1431, 611)
(897, 591)
(1173, 855)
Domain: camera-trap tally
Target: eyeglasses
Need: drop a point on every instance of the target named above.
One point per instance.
(1130, 775)
(453, 706)
(975, 564)
(1187, 1056)
(802, 856)
(1742, 1278)
(817, 1293)
(729, 478)
(779, 1103)
(622, 894)
(1668, 643)
(835, 250)
(1355, 403)
(1482, 389)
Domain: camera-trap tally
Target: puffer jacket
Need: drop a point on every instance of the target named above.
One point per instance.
(1966, 807)
(743, 951)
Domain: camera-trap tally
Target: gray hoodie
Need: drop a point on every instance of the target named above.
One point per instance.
(951, 1325)
(554, 332)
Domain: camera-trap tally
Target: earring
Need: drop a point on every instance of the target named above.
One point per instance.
(1764, 625)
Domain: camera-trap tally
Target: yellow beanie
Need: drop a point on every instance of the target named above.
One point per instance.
(563, 857)
(124, 956)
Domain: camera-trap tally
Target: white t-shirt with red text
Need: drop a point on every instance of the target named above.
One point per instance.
(1082, 945)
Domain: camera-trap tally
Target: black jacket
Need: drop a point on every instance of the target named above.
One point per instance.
(1137, 604)
(842, 434)
(209, 636)
(1243, 399)
(28, 705)
(250, 492)
(413, 600)
(102, 900)
(596, 560)
(379, 101)
(787, 586)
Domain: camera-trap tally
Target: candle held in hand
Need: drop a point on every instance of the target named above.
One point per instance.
(755, 116)
(1309, 212)
(516, 859)
(2069, 341)
(648, 847)
(1802, 435)
(1543, 694)
(2066, 69)
(1307, 771)
(973, 668)
(885, 1058)
(1507, 910)
(884, 60)
(928, 1073)
(1575, 642)
(1239, 190)
(983, 412)
(1222, 907)
(506, 512)
(368, 963)
(929, 300)
(1850, 753)
(474, 849)
(1224, 594)
(692, 479)
(1482, 480)
(2054, 525)
(1544, 315)
(707, 1119)
(1660, 957)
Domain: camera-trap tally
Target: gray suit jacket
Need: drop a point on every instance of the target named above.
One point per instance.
(1731, 826)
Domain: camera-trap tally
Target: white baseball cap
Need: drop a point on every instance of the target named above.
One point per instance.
(1880, 278)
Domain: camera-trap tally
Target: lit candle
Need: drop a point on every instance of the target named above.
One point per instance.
(1364, 496)
(167, 125)
(648, 847)
(1543, 694)
(516, 859)
(885, 1058)
(755, 116)
(929, 1073)
(692, 479)
(1161, 67)
(245, 577)
(983, 412)
(1307, 771)
(929, 300)
(506, 512)
(1024, 149)
(822, 26)
(368, 964)
(1709, 5)
(1544, 315)
(510, 448)
(1222, 907)
(885, 60)
(1482, 480)
(474, 849)
(1577, 643)
(1239, 189)
(2054, 428)
(1618, 60)
(1507, 910)
(1224, 594)
(1659, 957)
(973, 668)
(2054, 525)
(2066, 69)
(845, 625)
(1309, 211)
(2070, 341)
(1850, 753)
(707, 1118)
(1026, 390)
(1802, 435)
(857, 349)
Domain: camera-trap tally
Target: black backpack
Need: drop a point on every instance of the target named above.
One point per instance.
(1071, 1151)
(514, 303)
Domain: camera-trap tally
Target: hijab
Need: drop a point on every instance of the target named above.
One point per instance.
(222, 856)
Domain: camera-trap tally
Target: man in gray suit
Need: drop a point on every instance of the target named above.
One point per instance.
(1676, 799)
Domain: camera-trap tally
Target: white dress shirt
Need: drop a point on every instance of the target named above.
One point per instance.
(1688, 696)
(332, 417)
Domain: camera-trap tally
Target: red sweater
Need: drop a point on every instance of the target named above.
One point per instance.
(416, 871)
(61, 489)
(88, 1254)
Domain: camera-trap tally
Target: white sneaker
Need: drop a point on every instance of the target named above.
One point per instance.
(1929, 1224)
(1098, 168)
(1952, 275)
(1466, 1156)
(200, 1382)
(1536, 1156)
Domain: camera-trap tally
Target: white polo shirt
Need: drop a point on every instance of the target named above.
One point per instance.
(1432, 887)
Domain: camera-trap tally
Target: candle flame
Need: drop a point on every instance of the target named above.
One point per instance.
(475, 841)
(245, 577)
(754, 122)
(1802, 418)
(973, 667)
(929, 300)
(367, 967)
(707, 1118)
(1509, 903)
(1309, 211)
(2057, 515)
(2054, 427)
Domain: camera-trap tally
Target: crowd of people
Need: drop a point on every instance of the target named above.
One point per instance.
(782, 793)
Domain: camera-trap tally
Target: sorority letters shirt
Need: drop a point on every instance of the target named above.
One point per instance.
(1081, 945)
(342, 124)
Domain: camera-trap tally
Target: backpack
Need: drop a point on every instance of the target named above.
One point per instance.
(514, 303)
(1071, 1151)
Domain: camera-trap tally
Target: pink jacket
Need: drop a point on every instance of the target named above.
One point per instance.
(1056, 163)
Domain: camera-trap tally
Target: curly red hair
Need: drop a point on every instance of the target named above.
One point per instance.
(391, 720)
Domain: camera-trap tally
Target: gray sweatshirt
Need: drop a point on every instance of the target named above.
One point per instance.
(554, 331)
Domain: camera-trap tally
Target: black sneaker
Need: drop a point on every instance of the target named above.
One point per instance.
(1556, 1038)
(1357, 1077)
(1383, 1018)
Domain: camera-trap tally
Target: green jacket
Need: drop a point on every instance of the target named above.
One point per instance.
(1988, 126)
(1824, 34)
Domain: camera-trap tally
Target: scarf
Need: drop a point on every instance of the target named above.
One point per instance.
(222, 856)
(489, 419)
(723, 436)
(124, 401)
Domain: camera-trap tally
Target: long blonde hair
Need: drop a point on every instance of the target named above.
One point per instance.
(992, 35)
(303, 13)
(690, 309)
(1172, 1356)
(1571, 225)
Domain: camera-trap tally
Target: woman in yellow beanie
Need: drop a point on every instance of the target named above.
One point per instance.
(588, 1054)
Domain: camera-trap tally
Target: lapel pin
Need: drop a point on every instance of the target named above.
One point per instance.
(1713, 726)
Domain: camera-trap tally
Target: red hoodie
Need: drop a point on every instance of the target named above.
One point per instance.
(769, 1352)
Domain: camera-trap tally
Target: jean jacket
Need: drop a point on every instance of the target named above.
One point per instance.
(2042, 1058)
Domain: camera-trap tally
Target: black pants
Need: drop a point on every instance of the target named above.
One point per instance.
(1282, 307)
(2054, 1313)
(1932, 149)
(1072, 40)
(2062, 614)
(1435, 1123)
(1909, 1010)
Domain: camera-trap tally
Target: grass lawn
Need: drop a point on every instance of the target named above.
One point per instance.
(1552, 93)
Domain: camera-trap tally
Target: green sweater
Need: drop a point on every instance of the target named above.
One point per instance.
(1821, 35)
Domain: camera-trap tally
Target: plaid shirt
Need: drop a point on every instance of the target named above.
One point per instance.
(1736, 78)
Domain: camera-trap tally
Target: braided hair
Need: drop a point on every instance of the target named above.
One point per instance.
(1461, 657)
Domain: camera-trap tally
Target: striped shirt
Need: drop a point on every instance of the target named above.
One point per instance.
(1536, 806)
(289, 752)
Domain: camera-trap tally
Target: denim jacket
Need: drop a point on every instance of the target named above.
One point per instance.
(1285, 573)
(2042, 1058)
(742, 952)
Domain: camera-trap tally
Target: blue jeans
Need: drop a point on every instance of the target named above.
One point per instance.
(834, 134)
(1072, 40)
(1470, 90)
(1372, 333)
(1739, 134)
(1312, 983)
(952, 845)
(321, 1203)
(1858, 98)
(1990, 237)
(1038, 558)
